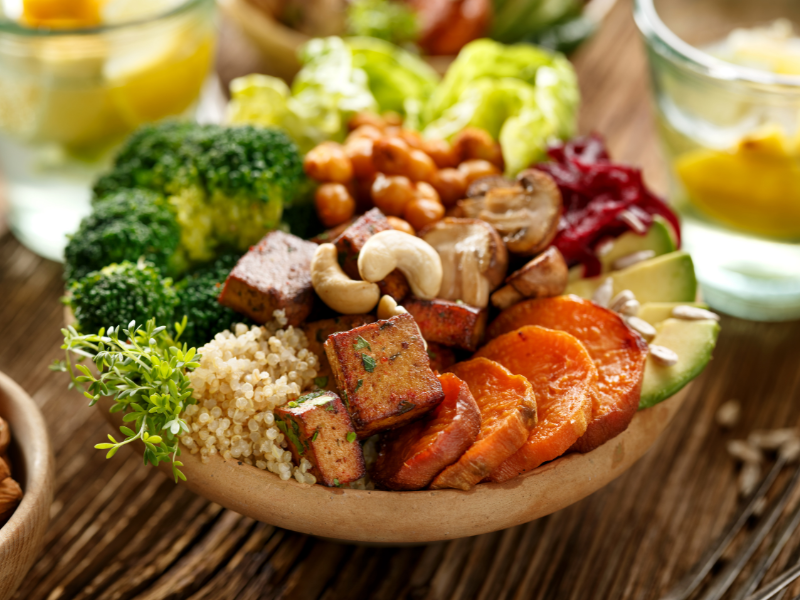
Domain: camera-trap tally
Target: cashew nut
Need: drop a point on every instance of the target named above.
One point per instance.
(416, 259)
(337, 290)
(388, 308)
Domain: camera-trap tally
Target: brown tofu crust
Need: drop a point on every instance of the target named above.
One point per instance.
(318, 331)
(352, 240)
(383, 374)
(274, 274)
(316, 428)
(449, 323)
(329, 235)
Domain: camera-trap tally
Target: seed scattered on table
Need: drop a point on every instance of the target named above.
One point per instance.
(694, 313)
(623, 262)
(744, 451)
(760, 506)
(728, 414)
(647, 331)
(749, 478)
(791, 450)
(602, 295)
(772, 439)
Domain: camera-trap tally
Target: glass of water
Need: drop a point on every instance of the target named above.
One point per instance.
(68, 97)
(726, 85)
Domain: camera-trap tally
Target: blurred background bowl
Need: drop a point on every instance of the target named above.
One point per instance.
(32, 466)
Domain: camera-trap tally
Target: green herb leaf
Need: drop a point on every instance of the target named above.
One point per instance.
(361, 343)
(351, 437)
(321, 382)
(314, 437)
(358, 385)
(406, 406)
(368, 362)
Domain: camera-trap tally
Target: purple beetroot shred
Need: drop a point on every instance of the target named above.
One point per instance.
(596, 193)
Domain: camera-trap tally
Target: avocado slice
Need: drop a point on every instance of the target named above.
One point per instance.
(666, 278)
(655, 312)
(693, 342)
(659, 239)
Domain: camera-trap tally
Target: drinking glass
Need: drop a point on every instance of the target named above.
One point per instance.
(731, 137)
(69, 97)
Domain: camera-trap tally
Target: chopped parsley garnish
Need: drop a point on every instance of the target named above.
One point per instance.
(351, 437)
(314, 437)
(308, 397)
(336, 483)
(361, 343)
(321, 381)
(368, 362)
(406, 406)
(292, 404)
(431, 355)
(358, 385)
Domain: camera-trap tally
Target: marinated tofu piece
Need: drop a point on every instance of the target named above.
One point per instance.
(318, 331)
(383, 374)
(275, 274)
(449, 323)
(442, 357)
(410, 457)
(352, 240)
(318, 428)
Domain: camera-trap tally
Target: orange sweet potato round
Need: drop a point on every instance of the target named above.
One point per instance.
(411, 456)
(618, 352)
(508, 415)
(563, 378)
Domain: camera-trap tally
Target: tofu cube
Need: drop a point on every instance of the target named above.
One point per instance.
(275, 274)
(352, 240)
(318, 428)
(318, 331)
(449, 323)
(383, 374)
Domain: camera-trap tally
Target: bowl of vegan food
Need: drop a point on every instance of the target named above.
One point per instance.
(438, 29)
(26, 484)
(385, 306)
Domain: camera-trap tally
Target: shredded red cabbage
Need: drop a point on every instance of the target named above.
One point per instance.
(602, 200)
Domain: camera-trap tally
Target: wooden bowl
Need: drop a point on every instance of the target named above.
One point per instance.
(423, 516)
(22, 535)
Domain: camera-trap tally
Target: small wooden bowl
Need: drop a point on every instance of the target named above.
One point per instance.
(423, 516)
(22, 535)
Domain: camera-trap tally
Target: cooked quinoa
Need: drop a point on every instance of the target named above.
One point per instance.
(244, 375)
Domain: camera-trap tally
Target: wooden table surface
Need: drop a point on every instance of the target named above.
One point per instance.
(121, 530)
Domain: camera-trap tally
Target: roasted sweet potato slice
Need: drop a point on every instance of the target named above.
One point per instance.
(410, 457)
(563, 377)
(618, 352)
(508, 415)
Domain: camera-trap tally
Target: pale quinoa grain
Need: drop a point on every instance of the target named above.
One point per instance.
(243, 376)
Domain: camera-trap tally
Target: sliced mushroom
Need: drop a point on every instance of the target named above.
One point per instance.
(525, 215)
(544, 276)
(479, 187)
(474, 258)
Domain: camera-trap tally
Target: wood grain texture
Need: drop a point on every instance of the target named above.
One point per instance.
(120, 531)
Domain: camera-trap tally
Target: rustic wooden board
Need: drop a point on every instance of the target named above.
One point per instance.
(120, 530)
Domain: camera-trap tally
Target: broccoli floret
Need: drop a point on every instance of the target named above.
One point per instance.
(228, 185)
(121, 293)
(125, 225)
(197, 296)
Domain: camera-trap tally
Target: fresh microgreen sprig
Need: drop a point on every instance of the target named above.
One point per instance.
(145, 372)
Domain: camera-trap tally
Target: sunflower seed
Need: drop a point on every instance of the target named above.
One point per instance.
(744, 451)
(632, 221)
(791, 450)
(602, 295)
(693, 313)
(749, 477)
(647, 331)
(728, 414)
(771, 439)
(760, 506)
(620, 299)
(663, 355)
(623, 262)
(630, 308)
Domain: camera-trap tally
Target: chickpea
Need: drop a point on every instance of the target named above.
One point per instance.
(441, 152)
(334, 204)
(473, 143)
(392, 118)
(391, 156)
(420, 166)
(477, 168)
(451, 185)
(366, 118)
(401, 225)
(392, 193)
(427, 191)
(412, 138)
(422, 212)
(365, 131)
(359, 151)
(328, 163)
